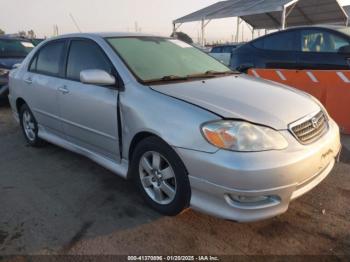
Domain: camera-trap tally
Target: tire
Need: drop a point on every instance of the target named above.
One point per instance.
(162, 181)
(29, 126)
(3, 101)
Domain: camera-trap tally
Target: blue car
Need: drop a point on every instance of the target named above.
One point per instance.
(307, 47)
(12, 52)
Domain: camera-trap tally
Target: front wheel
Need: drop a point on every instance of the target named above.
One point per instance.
(161, 176)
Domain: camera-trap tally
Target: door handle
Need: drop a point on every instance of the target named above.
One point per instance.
(63, 90)
(29, 80)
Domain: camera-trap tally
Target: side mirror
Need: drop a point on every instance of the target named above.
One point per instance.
(15, 66)
(344, 50)
(244, 68)
(97, 77)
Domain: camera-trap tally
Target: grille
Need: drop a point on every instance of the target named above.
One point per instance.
(312, 129)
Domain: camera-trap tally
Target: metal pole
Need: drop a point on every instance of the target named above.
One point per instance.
(174, 29)
(237, 31)
(75, 22)
(203, 33)
(283, 23)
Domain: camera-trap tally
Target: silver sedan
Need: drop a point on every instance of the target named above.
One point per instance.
(189, 131)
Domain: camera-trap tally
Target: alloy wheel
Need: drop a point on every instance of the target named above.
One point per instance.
(157, 177)
(29, 125)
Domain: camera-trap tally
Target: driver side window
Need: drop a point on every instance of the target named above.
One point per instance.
(321, 41)
(85, 54)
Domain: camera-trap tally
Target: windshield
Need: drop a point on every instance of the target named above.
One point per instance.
(155, 58)
(14, 48)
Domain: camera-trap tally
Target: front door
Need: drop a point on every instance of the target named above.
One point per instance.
(89, 112)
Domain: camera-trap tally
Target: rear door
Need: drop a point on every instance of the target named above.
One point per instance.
(41, 83)
(276, 51)
(89, 112)
(319, 50)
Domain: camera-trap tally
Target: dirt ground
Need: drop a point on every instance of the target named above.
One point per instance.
(56, 202)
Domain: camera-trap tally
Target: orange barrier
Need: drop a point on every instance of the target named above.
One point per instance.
(331, 87)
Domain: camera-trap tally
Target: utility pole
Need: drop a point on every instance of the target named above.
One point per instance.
(203, 32)
(237, 29)
(75, 22)
(55, 30)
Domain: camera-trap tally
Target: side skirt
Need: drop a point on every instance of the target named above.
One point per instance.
(121, 169)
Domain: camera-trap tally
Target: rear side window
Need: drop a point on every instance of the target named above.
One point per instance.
(85, 55)
(321, 41)
(49, 59)
(227, 49)
(216, 50)
(278, 42)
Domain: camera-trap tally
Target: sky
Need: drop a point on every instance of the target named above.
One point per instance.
(149, 16)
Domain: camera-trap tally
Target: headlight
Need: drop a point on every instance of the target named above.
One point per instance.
(4, 72)
(243, 136)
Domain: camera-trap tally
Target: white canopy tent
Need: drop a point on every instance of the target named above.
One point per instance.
(269, 14)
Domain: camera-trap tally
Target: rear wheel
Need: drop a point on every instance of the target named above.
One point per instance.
(161, 176)
(29, 126)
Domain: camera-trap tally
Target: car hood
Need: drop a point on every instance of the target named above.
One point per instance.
(245, 98)
(8, 63)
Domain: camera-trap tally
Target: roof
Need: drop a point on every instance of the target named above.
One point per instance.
(105, 34)
(347, 9)
(9, 37)
(267, 14)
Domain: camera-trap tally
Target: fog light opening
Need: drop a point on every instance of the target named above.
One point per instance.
(249, 199)
(244, 201)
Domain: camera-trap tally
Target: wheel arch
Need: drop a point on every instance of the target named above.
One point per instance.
(19, 103)
(137, 139)
(140, 137)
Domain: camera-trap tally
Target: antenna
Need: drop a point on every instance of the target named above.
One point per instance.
(55, 30)
(75, 22)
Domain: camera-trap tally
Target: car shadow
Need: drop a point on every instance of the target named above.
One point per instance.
(54, 195)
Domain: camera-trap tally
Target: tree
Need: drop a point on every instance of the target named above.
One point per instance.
(22, 33)
(31, 34)
(2, 32)
(182, 36)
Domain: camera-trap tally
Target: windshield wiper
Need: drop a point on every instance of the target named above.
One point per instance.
(167, 78)
(212, 73)
(208, 74)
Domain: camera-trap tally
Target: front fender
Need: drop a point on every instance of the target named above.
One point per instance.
(175, 121)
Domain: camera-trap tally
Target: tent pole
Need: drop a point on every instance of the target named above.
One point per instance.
(203, 33)
(283, 22)
(237, 31)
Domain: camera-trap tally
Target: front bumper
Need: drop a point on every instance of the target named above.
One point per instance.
(278, 176)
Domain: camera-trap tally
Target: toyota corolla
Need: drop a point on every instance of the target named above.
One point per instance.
(189, 131)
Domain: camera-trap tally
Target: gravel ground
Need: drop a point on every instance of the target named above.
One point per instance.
(56, 202)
